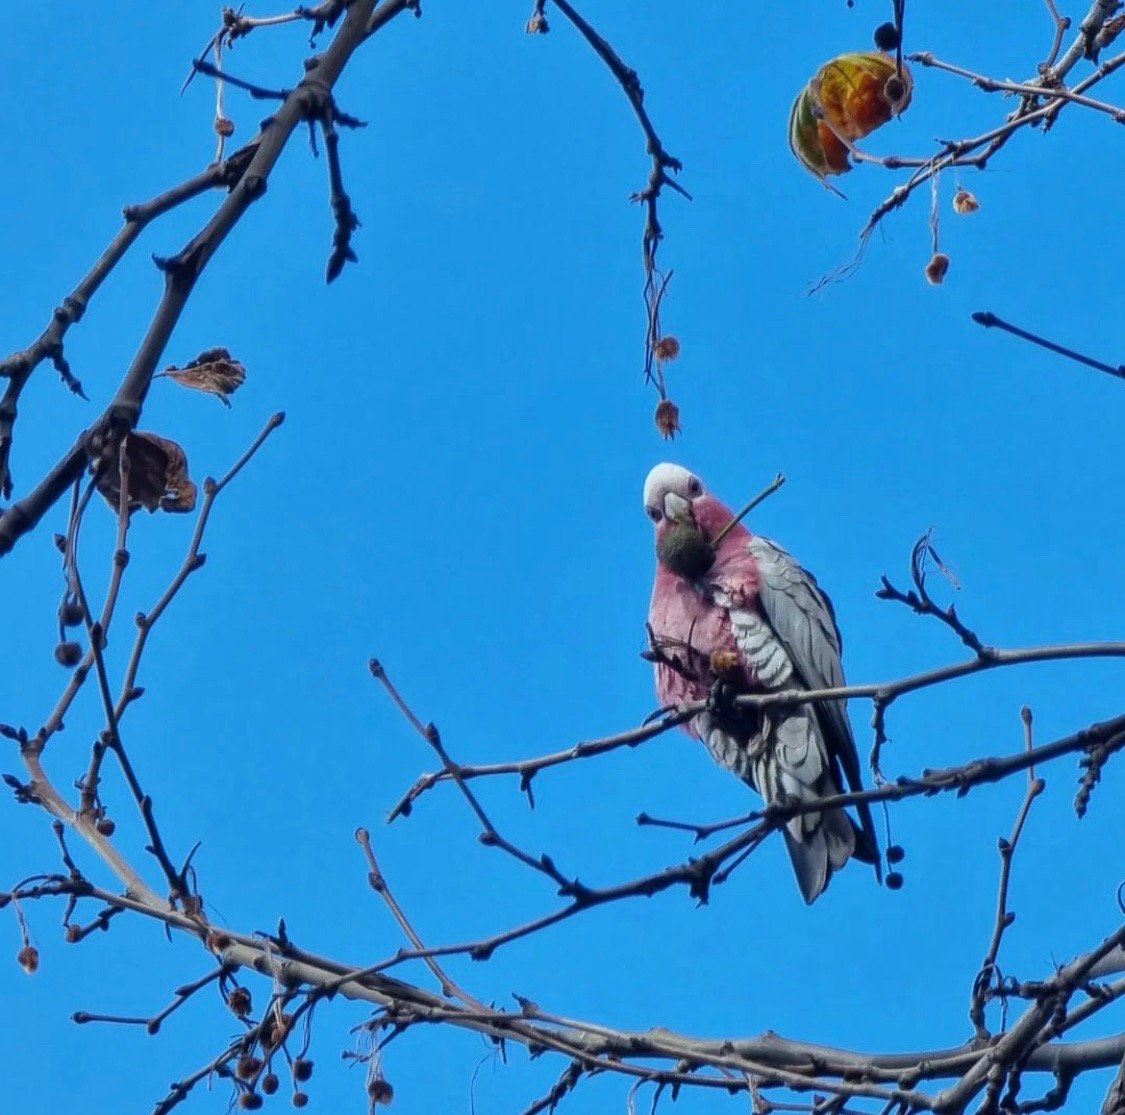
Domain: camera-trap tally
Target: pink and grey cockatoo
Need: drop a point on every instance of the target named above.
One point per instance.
(744, 617)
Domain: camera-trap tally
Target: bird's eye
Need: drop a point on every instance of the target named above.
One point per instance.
(653, 513)
(695, 487)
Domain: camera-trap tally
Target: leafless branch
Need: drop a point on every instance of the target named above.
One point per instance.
(1041, 100)
(182, 270)
(885, 692)
(663, 167)
(920, 601)
(88, 822)
(771, 1060)
(982, 984)
(988, 1069)
(19, 366)
(990, 320)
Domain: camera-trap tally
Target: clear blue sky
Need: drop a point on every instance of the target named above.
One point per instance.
(456, 490)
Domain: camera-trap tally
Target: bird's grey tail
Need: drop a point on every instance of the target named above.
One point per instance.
(793, 765)
(821, 849)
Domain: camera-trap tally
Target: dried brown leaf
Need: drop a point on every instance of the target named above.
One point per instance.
(214, 371)
(157, 475)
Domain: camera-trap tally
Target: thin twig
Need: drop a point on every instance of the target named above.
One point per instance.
(19, 366)
(990, 320)
(182, 271)
(153, 1022)
(1004, 918)
(767, 491)
(978, 150)
(1062, 25)
(877, 691)
(378, 883)
(1024, 89)
(662, 167)
(345, 220)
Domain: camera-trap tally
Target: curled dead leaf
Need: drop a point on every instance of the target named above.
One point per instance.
(214, 371)
(846, 99)
(157, 475)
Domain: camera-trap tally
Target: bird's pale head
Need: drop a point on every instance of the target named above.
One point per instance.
(671, 499)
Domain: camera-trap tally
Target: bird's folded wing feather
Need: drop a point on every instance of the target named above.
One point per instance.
(802, 617)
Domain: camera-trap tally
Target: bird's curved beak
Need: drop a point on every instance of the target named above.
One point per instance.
(677, 509)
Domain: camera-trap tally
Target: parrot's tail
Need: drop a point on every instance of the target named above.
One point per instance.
(821, 847)
(787, 762)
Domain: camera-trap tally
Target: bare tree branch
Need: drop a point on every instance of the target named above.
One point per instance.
(181, 271)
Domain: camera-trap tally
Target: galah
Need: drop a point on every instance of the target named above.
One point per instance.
(743, 617)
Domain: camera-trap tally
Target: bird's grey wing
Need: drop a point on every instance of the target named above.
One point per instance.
(805, 624)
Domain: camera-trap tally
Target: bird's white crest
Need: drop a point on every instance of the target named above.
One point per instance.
(668, 478)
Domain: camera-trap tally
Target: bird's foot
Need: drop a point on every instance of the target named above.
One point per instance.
(720, 700)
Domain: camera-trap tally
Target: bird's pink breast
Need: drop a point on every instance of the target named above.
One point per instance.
(682, 616)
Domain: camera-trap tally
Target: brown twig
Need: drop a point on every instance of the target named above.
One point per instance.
(919, 599)
(958, 779)
(153, 1022)
(989, 972)
(378, 884)
(990, 320)
(1024, 89)
(345, 220)
(976, 151)
(660, 176)
(193, 560)
(699, 873)
(18, 367)
(765, 493)
(1016, 1045)
(1062, 25)
(85, 820)
(878, 691)
(182, 270)
(708, 1063)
